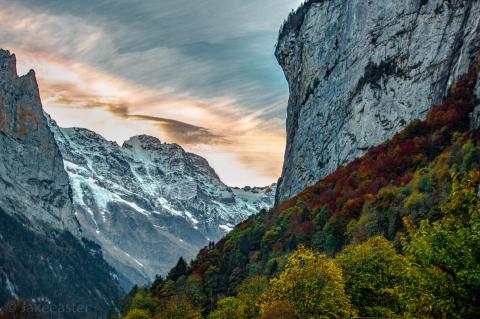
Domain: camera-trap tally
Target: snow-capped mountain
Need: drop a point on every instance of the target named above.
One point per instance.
(147, 203)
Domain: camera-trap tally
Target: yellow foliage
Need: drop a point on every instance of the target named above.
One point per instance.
(178, 308)
(138, 314)
(279, 310)
(311, 287)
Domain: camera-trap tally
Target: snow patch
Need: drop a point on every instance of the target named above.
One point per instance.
(227, 228)
(10, 287)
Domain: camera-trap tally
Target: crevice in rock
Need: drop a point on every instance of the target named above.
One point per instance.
(375, 72)
(458, 43)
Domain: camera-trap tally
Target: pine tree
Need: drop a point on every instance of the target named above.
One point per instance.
(179, 270)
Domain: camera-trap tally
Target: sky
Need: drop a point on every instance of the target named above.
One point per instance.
(198, 73)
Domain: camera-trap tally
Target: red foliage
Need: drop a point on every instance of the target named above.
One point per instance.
(304, 230)
(391, 163)
(344, 192)
(277, 247)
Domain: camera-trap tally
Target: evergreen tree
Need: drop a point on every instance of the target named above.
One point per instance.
(179, 270)
(157, 284)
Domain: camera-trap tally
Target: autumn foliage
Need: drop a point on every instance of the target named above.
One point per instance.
(392, 234)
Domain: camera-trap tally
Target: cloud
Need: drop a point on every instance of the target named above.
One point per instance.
(184, 133)
(215, 129)
(171, 22)
(201, 74)
(68, 94)
(176, 44)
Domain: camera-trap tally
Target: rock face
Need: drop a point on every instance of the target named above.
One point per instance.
(147, 203)
(359, 71)
(43, 258)
(475, 116)
(33, 184)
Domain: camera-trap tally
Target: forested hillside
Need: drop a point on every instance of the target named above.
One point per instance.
(394, 233)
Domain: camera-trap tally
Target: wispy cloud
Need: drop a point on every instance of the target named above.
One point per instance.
(199, 74)
(69, 95)
(183, 133)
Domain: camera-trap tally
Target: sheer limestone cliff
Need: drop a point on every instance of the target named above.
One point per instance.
(359, 71)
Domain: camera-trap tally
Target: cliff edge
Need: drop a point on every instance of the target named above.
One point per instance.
(360, 71)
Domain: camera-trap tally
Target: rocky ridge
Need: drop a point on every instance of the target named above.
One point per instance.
(34, 185)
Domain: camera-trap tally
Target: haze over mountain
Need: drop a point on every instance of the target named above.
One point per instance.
(146, 203)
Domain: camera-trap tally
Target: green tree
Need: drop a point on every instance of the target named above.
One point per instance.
(245, 304)
(444, 279)
(311, 286)
(374, 275)
(249, 293)
(229, 308)
(138, 314)
(194, 290)
(178, 307)
(126, 303)
(157, 284)
(333, 237)
(179, 270)
(143, 300)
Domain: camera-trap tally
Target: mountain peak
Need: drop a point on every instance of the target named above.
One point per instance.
(144, 141)
(163, 201)
(37, 213)
(8, 65)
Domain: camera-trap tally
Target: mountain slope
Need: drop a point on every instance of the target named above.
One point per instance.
(412, 179)
(147, 203)
(360, 71)
(43, 258)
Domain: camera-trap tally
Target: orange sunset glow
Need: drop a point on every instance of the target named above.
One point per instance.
(242, 136)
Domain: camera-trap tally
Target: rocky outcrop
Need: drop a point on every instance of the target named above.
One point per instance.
(33, 182)
(147, 203)
(359, 71)
(43, 258)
